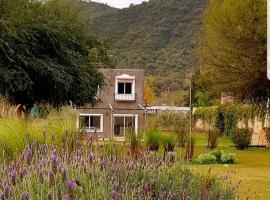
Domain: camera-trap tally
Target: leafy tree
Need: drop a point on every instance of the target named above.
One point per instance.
(47, 53)
(232, 48)
(148, 95)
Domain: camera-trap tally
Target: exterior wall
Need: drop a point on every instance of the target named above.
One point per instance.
(258, 137)
(107, 100)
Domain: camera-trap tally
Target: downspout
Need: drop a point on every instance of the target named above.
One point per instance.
(111, 120)
(145, 117)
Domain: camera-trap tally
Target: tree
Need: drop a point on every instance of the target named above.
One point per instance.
(232, 48)
(47, 53)
(149, 94)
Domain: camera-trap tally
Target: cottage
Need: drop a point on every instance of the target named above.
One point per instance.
(119, 106)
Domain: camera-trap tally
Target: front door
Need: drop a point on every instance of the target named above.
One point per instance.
(124, 123)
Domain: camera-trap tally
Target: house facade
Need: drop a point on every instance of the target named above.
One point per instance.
(120, 105)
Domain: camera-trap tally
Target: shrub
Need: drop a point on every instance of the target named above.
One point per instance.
(215, 157)
(153, 138)
(86, 173)
(242, 138)
(177, 122)
(168, 141)
(213, 138)
(223, 157)
(206, 159)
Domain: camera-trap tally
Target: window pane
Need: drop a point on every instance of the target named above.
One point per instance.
(121, 88)
(119, 126)
(128, 88)
(95, 122)
(130, 123)
(84, 122)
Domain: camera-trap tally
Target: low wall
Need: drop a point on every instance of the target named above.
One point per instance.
(258, 137)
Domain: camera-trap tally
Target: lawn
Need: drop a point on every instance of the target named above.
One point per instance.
(252, 168)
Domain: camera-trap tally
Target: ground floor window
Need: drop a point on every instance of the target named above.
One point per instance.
(124, 123)
(91, 122)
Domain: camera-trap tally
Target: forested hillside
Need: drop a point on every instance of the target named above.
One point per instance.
(158, 36)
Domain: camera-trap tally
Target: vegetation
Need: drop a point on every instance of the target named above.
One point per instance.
(155, 139)
(242, 138)
(175, 122)
(250, 173)
(16, 132)
(215, 157)
(48, 53)
(42, 172)
(232, 49)
(157, 36)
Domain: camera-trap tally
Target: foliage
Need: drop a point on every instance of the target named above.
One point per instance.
(225, 117)
(148, 95)
(153, 138)
(152, 42)
(156, 138)
(206, 159)
(177, 122)
(42, 172)
(242, 138)
(215, 157)
(213, 138)
(168, 141)
(48, 56)
(232, 48)
(15, 131)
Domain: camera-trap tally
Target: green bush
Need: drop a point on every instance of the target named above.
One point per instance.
(213, 138)
(223, 157)
(215, 157)
(168, 141)
(242, 138)
(153, 138)
(206, 159)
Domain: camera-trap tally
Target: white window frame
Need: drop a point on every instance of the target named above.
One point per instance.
(127, 115)
(94, 115)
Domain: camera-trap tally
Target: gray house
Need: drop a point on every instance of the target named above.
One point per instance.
(120, 105)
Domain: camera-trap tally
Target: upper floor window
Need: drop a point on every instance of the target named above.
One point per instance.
(125, 88)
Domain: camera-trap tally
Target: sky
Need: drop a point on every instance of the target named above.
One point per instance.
(120, 3)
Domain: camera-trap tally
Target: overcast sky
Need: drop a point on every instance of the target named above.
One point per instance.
(120, 3)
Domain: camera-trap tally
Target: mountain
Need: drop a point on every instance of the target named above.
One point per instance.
(158, 36)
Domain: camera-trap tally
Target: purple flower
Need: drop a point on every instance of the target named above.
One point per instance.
(70, 187)
(54, 161)
(66, 197)
(7, 191)
(13, 177)
(51, 179)
(102, 163)
(113, 195)
(2, 196)
(146, 188)
(28, 154)
(169, 196)
(25, 196)
(63, 173)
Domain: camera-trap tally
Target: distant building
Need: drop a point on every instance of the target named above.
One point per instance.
(119, 108)
(162, 108)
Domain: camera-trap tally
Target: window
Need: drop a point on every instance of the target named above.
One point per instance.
(124, 88)
(91, 122)
(124, 123)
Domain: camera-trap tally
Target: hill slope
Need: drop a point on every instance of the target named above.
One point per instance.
(157, 36)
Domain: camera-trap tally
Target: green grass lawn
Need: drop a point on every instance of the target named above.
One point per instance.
(252, 168)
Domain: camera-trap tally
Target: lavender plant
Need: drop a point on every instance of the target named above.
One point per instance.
(93, 172)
